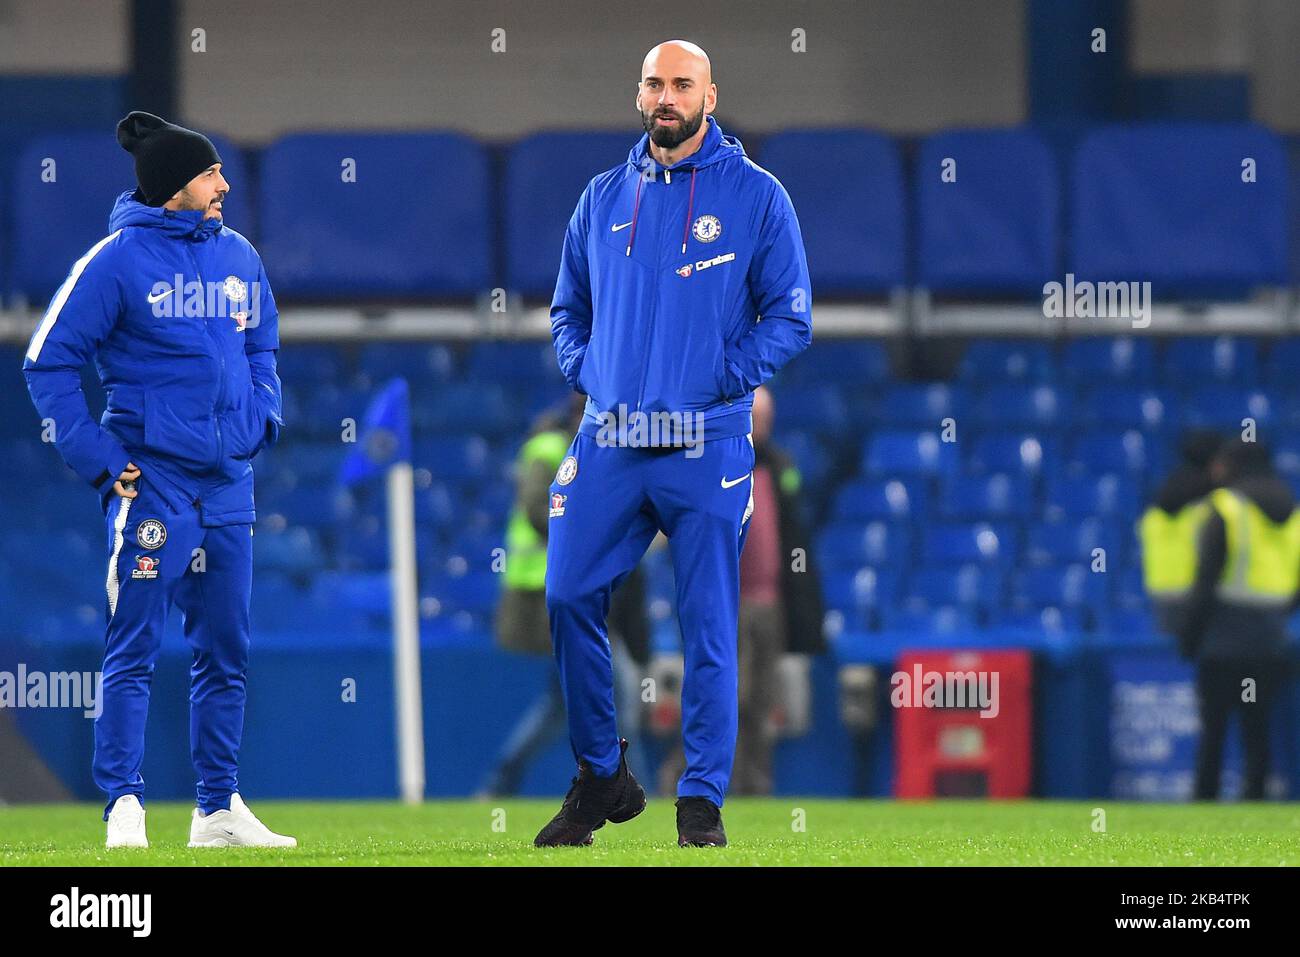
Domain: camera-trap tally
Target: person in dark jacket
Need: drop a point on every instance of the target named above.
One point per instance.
(1169, 527)
(1234, 624)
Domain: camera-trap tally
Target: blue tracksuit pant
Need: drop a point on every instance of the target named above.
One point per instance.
(602, 521)
(157, 556)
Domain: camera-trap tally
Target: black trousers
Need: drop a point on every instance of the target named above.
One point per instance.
(1219, 687)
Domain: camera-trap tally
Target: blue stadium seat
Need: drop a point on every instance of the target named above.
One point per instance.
(1126, 407)
(475, 592)
(307, 363)
(938, 620)
(484, 407)
(464, 457)
(1083, 495)
(1135, 626)
(312, 463)
(812, 408)
(852, 545)
(864, 500)
(811, 457)
(995, 227)
(1049, 620)
(1069, 586)
(519, 363)
(1286, 456)
(292, 549)
(996, 360)
(966, 586)
(438, 504)
(1223, 407)
(985, 497)
(1166, 203)
(416, 221)
(890, 454)
(307, 503)
(847, 186)
(959, 544)
(418, 362)
(1192, 361)
(550, 397)
(858, 593)
(364, 591)
(1128, 589)
(1016, 406)
(1283, 361)
(1068, 539)
(1023, 454)
(60, 220)
(323, 406)
(1109, 358)
(545, 175)
(923, 405)
(1122, 452)
(845, 361)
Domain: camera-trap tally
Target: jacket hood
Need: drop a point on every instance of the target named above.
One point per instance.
(183, 224)
(716, 147)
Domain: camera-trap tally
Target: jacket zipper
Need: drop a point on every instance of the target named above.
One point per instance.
(221, 359)
(654, 304)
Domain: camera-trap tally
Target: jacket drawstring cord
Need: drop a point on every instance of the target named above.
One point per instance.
(690, 203)
(636, 205)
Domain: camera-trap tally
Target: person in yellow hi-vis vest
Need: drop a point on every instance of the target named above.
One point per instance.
(1168, 528)
(1234, 623)
(521, 621)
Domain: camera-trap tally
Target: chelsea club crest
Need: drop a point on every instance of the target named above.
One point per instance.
(707, 229)
(236, 289)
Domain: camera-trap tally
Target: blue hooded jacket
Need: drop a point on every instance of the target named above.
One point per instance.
(189, 369)
(682, 289)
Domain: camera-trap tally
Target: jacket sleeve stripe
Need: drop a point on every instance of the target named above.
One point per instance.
(61, 297)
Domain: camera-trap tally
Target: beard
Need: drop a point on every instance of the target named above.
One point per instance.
(191, 203)
(668, 137)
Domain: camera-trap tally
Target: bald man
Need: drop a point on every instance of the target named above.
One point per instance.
(682, 288)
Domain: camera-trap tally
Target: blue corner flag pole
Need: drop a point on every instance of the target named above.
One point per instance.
(385, 446)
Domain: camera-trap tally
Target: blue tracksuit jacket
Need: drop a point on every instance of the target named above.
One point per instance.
(190, 400)
(681, 288)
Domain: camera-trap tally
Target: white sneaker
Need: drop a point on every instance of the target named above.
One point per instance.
(126, 823)
(238, 827)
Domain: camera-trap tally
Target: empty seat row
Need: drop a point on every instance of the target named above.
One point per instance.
(339, 216)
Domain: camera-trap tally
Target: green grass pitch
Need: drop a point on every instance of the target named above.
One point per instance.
(761, 830)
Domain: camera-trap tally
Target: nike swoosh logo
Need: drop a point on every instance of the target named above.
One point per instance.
(162, 295)
(614, 229)
(726, 484)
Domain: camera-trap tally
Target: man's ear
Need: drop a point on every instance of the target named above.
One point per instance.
(712, 95)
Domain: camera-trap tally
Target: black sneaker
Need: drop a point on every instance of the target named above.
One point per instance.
(699, 823)
(591, 802)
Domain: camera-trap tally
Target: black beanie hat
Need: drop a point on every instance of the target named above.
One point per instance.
(166, 156)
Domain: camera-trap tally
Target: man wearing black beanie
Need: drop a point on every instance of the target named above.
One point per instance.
(175, 309)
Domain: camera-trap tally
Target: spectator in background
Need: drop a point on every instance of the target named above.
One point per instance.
(780, 606)
(1169, 526)
(1233, 625)
(521, 622)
